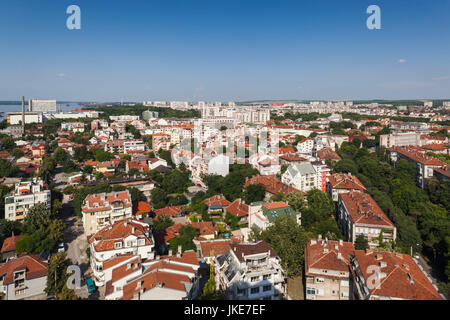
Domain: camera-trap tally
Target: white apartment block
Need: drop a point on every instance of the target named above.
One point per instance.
(124, 118)
(102, 209)
(122, 238)
(302, 176)
(14, 118)
(250, 271)
(400, 139)
(25, 195)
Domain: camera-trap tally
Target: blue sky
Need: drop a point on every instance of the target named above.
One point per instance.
(224, 50)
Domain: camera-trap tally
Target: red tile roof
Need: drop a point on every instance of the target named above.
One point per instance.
(217, 200)
(10, 243)
(238, 208)
(323, 255)
(168, 211)
(220, 247)
(345, 181)
(403, 279)
(206, 227)
(105, 238)
(33, 265)
(363, 209)
(276, 205)
(273, 185)
(414, 154)
(104, 201)
(327, 153)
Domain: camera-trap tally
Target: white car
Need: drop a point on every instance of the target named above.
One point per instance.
(61, 247)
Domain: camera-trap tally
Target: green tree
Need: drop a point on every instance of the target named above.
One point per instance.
(38, 216)
(163, 222)
(254, 193)
(361, 242)
(57, 274)
(296, 200)
(60, 156)
(56, 230)
(210, 292)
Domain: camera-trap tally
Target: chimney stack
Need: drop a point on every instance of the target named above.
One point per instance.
(23, 114)
(60, 109)
(170, 253)
(30, 105)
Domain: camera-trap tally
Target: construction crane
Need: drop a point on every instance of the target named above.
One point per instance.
(211, 264)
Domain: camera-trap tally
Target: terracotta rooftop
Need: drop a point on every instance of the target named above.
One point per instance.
(414, 154)
(328, 255)
(245, 249)
(363, 209)
(220, 247)
(10, 243)
(33, 265)
(238, 208)
(403, 277)
(327, 153)
(345, 181)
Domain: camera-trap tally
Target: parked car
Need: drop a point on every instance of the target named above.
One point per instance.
(91, 285)
(61, 247)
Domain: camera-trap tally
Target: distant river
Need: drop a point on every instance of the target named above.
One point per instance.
(4, 109)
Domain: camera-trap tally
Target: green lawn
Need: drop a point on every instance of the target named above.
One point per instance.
(295, 288)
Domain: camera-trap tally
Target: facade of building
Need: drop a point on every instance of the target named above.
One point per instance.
(102, 209)
(250, 271)
(36, 105)
(327, 270)
(121, 238)
(301, 176)
(25, 195)
(24, 277)
(359, 214)
(14, 118)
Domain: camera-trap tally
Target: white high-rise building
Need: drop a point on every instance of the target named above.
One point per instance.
(25, 195)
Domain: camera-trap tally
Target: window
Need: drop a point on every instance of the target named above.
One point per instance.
(254, 279)
(310, 290)
(320, 280)
(254, 290)
(267, 288)
(266, 277)
(118, 245)
(241, 292)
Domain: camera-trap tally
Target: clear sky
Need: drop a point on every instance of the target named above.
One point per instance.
(224, 50)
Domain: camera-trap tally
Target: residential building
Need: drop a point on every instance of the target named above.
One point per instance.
(103, 209)
(341, 183)
(263, 215)
(24, 277)
(400, 139)
(379, 275)
(425, 164)
(359, 214)
(327, 270)
(250, 271)
(272, 184)
(25, 195)
(301, 176)
(8, 250)
(122, 237)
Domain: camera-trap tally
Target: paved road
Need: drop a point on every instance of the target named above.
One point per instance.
(76, 244)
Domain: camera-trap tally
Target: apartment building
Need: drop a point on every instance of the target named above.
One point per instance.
(160, 141)
(123, 237)
(25, 195)
(359, 214)
(342, 183)
(301, 176)
(272, 184)
(383, 275)
(172, 277)
(306, 146)
(263, 215)
(133, 145)
(103, 209)
(327, 270)
(250, 271)
(24, 277)
(322, 174)
(72, 126)
(425, 164)
(400, 139)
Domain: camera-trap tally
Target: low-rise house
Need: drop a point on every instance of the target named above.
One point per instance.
(24, 277)
(272, 184)
(206, 228)
(217, 203)
(8, 250)
(173, 212)
(327, 154)
(250, 271)
(123, 237)
(379, 275)
(359, 214)
(342, 183)
(103, 209)
(263, 215)
(327, 270)
(238, 209)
